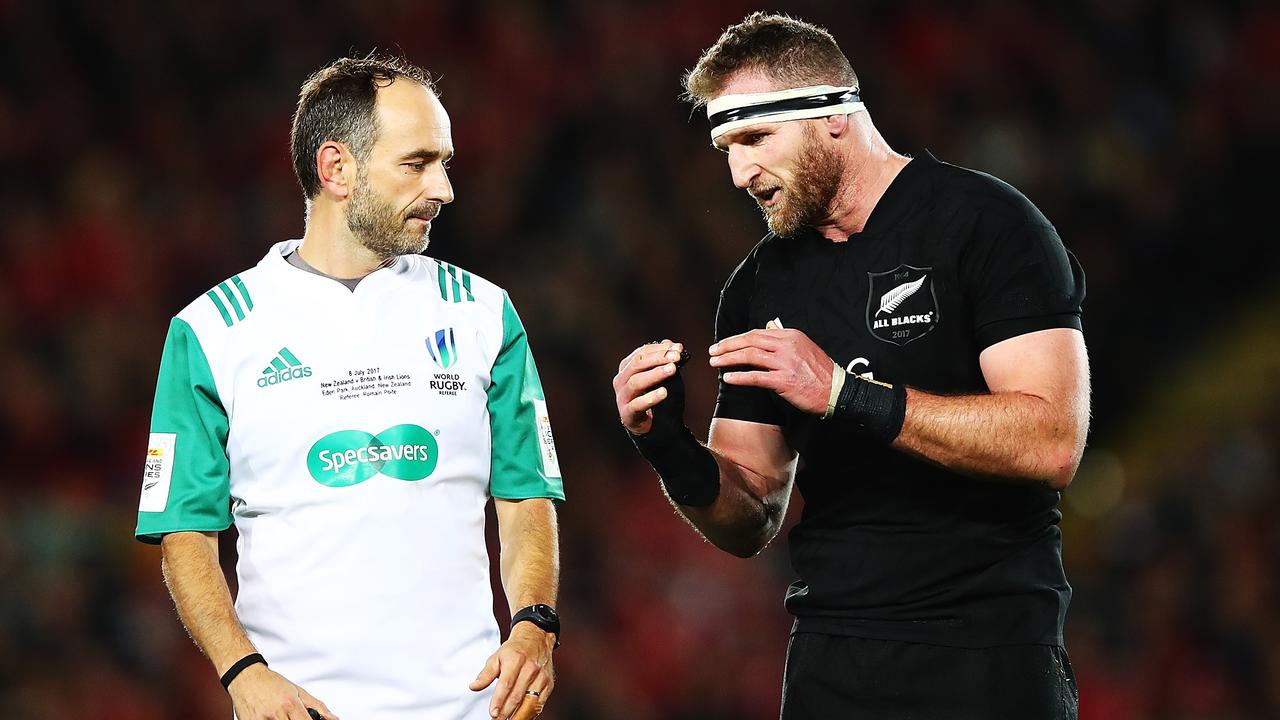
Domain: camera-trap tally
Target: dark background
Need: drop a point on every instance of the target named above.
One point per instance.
(143, 158)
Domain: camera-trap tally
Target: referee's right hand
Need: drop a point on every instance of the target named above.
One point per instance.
(260, 693)
(635, 386)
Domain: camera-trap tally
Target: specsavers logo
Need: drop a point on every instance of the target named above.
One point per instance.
(349, 457)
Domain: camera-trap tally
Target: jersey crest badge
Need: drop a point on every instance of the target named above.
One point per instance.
(443, 348)
(901, 305)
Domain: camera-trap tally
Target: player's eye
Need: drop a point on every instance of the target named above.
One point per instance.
(414, 166)
(753, 139)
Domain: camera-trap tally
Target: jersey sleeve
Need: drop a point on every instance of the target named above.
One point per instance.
(186, 480)
(739, 402)
(1021, 281)
(524, 462)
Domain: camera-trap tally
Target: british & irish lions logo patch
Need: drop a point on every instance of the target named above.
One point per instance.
(901, 305)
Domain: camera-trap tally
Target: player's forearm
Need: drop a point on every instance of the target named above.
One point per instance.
(744, 518)
(1007, 435)
(530, 562)
(191, 571)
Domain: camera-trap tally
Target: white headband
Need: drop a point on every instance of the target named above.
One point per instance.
(730, 112)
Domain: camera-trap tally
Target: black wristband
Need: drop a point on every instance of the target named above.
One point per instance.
(878, 408)
(239, 667)
(687, 468)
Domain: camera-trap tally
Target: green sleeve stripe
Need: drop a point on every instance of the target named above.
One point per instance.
(188, 406)
(244, 291)
(226, 316)
(444, 292)
(231, 298)
(466, 283)
(516, 469)
(453, 282)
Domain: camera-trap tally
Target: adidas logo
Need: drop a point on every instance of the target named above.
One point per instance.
(285, 366)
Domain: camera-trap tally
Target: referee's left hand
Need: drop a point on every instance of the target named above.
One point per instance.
(522, 664)
(784, 361)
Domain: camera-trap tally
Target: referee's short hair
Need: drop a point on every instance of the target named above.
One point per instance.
(791, 52)
(337, 103)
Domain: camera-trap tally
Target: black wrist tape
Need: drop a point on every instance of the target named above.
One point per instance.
(688, 470)
(239, 667)
(879, 409)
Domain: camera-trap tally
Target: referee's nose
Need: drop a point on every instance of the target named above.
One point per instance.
(438, 187)
(743, 169)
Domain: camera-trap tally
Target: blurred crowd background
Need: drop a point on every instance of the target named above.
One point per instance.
(143, 158)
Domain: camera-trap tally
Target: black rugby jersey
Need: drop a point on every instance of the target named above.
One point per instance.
(951, 261)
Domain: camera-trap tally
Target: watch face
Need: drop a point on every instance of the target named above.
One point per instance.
(544, 616)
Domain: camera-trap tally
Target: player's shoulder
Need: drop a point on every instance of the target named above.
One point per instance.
(976, 192)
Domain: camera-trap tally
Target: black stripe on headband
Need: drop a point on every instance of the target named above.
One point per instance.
(748, 112)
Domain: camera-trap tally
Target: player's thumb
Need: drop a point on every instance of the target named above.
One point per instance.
(487, 675)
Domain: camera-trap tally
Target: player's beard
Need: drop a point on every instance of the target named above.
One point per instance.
(382, 230)
(806, 200)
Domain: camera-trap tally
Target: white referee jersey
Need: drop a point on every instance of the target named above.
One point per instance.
(354, 439)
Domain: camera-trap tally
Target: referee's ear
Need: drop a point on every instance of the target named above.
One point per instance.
(336, 169)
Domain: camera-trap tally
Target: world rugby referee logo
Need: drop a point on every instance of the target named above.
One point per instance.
(901, 306)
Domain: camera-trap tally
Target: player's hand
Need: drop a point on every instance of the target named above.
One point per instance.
(260, 693)
(522, 667)
(784, 361)
(635, 386)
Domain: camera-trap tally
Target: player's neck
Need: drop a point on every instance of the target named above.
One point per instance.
(329, 246)
(865, 182)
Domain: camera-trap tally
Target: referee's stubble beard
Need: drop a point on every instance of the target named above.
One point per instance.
(806, 200)
(380, 228)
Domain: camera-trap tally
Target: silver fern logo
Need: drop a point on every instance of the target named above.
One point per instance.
(901, 306)
(895, 297)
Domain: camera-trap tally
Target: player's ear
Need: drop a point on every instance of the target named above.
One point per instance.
(336, 168)
(837, 125)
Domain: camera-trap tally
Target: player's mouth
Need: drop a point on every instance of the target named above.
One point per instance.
(768, 197)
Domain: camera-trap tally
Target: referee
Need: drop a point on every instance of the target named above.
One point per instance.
(905, 346)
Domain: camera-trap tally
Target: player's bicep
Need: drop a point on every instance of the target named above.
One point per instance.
(760, 450)
(1049, 364)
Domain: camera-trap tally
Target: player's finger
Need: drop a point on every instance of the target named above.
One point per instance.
(753, 378)
(752, 356)
(764, 339)
(312, 701)
(646, 357)
(645, 402)
(486, 675)
(652, 355)
(642, 382)
(518, 689)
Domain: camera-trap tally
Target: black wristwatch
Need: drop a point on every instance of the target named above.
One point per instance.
(544, 616)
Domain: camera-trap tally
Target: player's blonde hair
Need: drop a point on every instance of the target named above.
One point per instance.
(791, 52)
